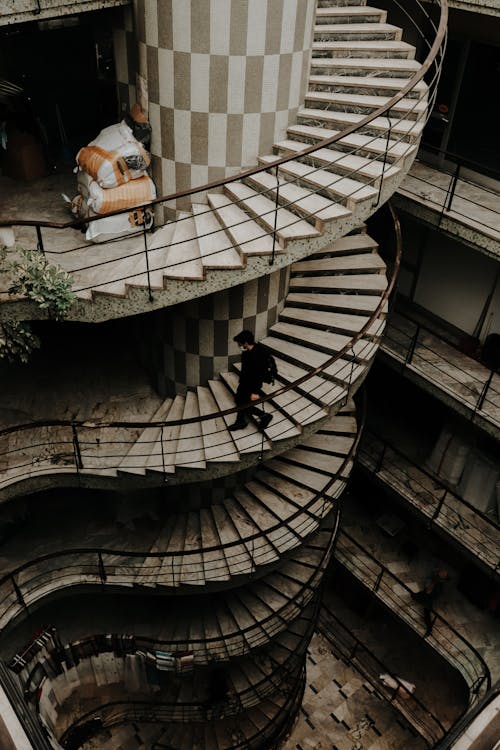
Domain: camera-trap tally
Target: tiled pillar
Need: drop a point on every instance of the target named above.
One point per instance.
(190, 343)
(223, 77)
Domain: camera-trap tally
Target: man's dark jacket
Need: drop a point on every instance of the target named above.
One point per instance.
(253, 369)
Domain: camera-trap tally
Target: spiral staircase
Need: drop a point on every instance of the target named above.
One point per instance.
(235, 580)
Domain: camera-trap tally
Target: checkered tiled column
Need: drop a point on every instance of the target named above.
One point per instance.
(188, 344)
(224, 78)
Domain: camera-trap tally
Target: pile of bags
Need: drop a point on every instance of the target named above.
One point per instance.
(112, 175)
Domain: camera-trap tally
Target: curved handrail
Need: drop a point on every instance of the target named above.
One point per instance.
(423, 717)
(74, 425)
(183, 554)
(160, 712)
(477, 400)
(379, 461)
(481, 678)
(434, 50)
(214, 646)
(463, 160)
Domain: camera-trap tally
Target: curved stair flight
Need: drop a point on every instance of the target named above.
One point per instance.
(358, 63)
(331, 298)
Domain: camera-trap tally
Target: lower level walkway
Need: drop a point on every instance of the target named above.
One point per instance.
(342, 711)
(411, 556)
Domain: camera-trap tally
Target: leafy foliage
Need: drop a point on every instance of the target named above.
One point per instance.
(47, 285)
(17, 341)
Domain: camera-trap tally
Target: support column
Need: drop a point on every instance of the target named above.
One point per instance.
(224, 78)
(189, 344)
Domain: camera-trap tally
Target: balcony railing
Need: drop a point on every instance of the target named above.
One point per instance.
(101, 566)
(73, 257)
(51, 661)
(439, 504)
(474, 387)
(364, 661)
(396, 595)
(58, 447)
(459, 197)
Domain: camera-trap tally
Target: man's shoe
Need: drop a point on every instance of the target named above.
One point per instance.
(238, 425)
(265, 421)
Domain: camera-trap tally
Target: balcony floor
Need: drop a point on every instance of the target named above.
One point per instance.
(474, 207)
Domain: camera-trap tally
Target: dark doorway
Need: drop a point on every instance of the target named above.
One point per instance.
(66, 70)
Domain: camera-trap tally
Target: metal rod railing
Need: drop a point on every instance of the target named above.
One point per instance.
(444, 637)
(371, 667)
(432, 60)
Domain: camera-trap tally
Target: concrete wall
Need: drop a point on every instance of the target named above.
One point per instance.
(453, 281)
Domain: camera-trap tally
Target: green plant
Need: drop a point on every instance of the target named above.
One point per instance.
(47, 285)
(17, 341)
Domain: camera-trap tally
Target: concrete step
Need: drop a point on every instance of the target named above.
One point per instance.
(367, 283)
(317, 387)
(351, 165)
(356, 31)
(288, 225)
(189, 450)
(365, 145)
(320, 319)
(388, 66)
(218, 442)
(368, 84)
(321, 97)
(365, 48)
(134, 462)
(216, 248)
(350, 14)
(246, 234)
(314, 208)
(351, 192)
(342, 264)
(162, 457)
(183, 260)
(407, 129)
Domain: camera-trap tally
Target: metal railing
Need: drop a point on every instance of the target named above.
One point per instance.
(28, 720)
(439, 504)
(364, 661)
(99, 565)
(416, 345)
(283, 665)
(444, 201)
(59, 447)
(432, 35)
(18, 594)
(396, 595)
(66, 568)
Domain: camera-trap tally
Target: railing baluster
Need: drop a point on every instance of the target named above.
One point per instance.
(439, 506)
(450, 193)
(484, 391)
(102, 570)
(380, 459)
(39, 244)
(76, 448)
(18, 593)
(145, 238)
(384, 163)
(411, 350)
(163, 455)
(271, 260)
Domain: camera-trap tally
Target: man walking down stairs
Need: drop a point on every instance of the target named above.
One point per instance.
(254, 359)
